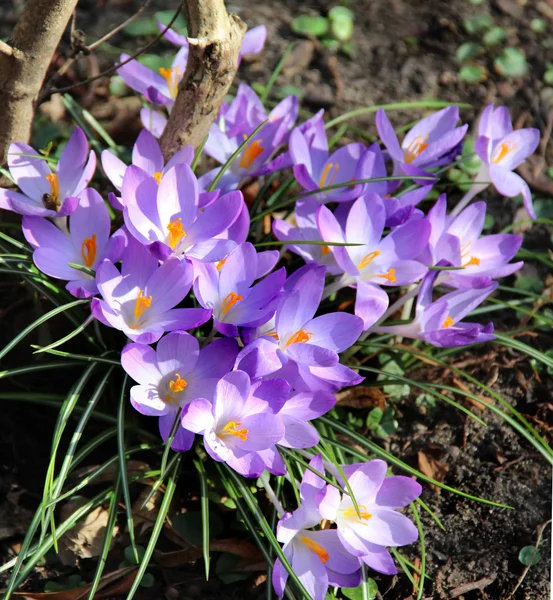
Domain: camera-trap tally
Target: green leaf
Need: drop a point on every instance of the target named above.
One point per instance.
(511, 63)
(478, 23)
(357, 593)
(467, 51)
(142, 27)
(310, 25)
(147, 581)
(179, 24)
(529, 556)
(129, 554)
(189, 526)
(529, 284)
(374, 417)
(388, 424)
(473, 74)
(331, 45)
(340, 12)
(538, 25)
(494, 36)
(341, 23)
(155, 61)
(548, 78)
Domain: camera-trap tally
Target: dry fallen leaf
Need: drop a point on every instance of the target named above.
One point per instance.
(432, 467)
(361, 397)
(86, 538)
(241, 548)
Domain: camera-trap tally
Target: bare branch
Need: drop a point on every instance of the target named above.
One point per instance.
(216, 38)
(5, 49)
(33, 43)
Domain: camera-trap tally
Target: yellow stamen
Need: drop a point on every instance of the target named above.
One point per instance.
(364, 514)
(231, 428)
(220, 264)
(157, 176)
(176, 232)
(178, 384)
(316, 548)
(171, 76)
(250, 153)
(367, 259)
(142, 304)
(229, 301)
(54, 182)
(474, 260)
(325, 250)
(323, 180)
(88, 250)
(272, 334)
(299, 337)
(390, 275)
(415, 148)
(502, 151)
(448, 323)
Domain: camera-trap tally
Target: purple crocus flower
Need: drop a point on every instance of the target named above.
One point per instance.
(48, 194)
(159, 88)
(502, 150)
(377, 524)
(173, 375)
(308, 346)
(86, 243)
(238, 122)
(432, 142)
(318, 558)
(377, 261)
(315, 169)
(167, 217)
(139, 300)
(457, 240)
(253, 42)
(240, 422)
(440, 323)
(153, 121)
(146, 155)
(228, 288)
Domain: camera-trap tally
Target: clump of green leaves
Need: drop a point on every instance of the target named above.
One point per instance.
(335, 30)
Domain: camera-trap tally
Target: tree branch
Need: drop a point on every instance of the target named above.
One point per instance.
(5, 49)
(215, 41)
(22, 71)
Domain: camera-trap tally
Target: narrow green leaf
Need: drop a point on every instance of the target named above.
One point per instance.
(276, 73)
(205, 514)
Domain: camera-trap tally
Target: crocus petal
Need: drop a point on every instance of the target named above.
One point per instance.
(40, 232)
(197, 416)
(168, 285)
(177, 351)
(259, 358)
(335, 331)
(469, 224)
(114, 168)
(388, 135)
(510, 184)
(139, 77)
(298, 434)
(217, 217)
(329, 501)
(146, 153)
(522, 143)
(308, 354)
(279, 578)
(232, 391)
(28, 173)
(178, 197)
(366, 481)
(379, 559)
(71, 163)
(311, 571)
(388, 528)
(153, 121)
(307, 406)
(331, 231)
(254, 40)
(397, 491)
(371, 303)
(145, 399)
(339, 559)
(183, 439)
(265, 430)
(179, 319)
(216, 359)
(53, 262)
(140, 362)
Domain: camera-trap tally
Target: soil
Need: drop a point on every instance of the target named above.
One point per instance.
(405, 51)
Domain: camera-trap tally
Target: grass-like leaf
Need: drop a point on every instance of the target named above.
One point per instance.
(205, 514)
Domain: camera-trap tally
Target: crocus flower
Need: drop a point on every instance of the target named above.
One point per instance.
(240, 422)
(502, 150)
(376, 261)
(238, 122)
(440, 323)
(139, 300)
(158, 88)
(318, 558)
(86, 243)
(146, 155)
(167, 217)
(173, 375)
(253, 42)
(308, 345)
(48, 194)
(153, 121)
(457, 240)
(432, 142)
(315, 169)
(228, 288)
(377, 524)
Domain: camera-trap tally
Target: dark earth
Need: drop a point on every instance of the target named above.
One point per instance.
(405, 51)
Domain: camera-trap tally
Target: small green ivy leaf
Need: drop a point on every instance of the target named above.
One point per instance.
(494, 36)
(310, 25)
(357, 593)
(473, 74)
(467, 51)
(478, 23)
(529, 556)
(341, 23)
(511, 63)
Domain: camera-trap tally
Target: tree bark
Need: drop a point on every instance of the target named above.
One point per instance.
(24, 61)
(215, 41)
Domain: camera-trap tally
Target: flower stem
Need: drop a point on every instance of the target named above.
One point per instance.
(264, 478)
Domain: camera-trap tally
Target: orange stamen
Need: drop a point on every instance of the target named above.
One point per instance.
(364, 514)
(448, 323)
(367, 259)
(299, 337)
(176, 232)
(325, 250)
(415, 148)
(88, 250)
(229, 301)
(272, 334)
(157, 176)
(171, 76)
(323, 180)
(502, 151)
(251, 152)
(231, 428)
(220, 264)
(317, 549)
(178, 384)
(142, 304)
(474, 261)
(54, 182)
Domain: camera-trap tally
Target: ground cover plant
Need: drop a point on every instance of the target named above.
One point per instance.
(231, 291)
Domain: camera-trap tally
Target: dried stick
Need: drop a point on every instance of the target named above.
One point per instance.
(215, 41)
(23, 65)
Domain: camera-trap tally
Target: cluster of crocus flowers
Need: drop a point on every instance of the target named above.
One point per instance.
(244, 358)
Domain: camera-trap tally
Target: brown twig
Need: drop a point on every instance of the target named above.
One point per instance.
(5, 49)
(473, 585)
(118, 65)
